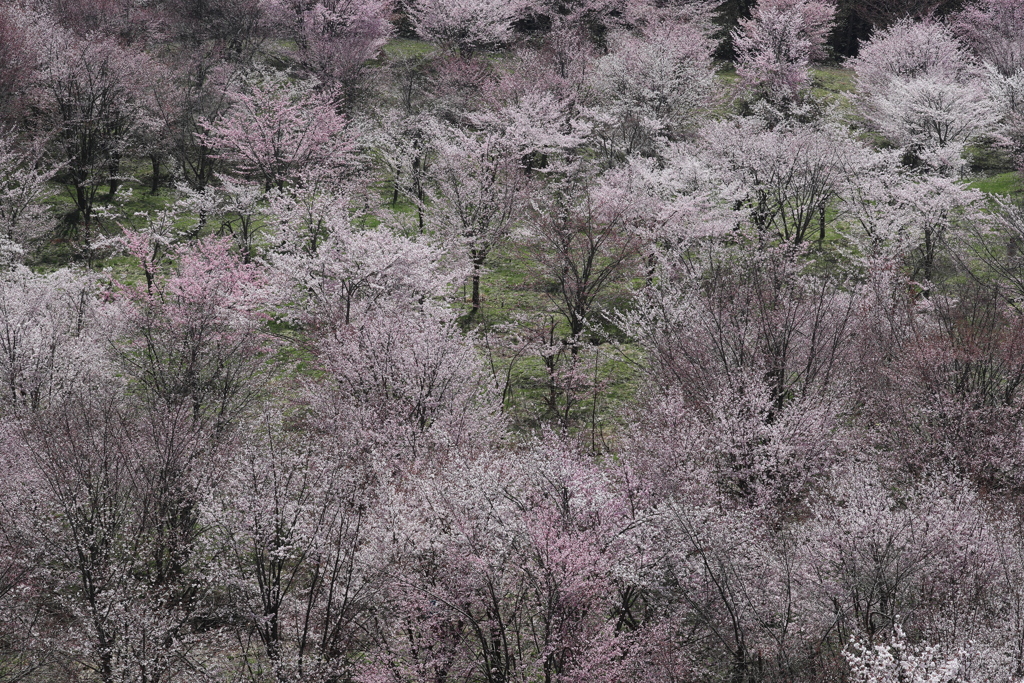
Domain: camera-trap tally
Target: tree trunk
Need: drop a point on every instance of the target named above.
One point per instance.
(476, 291)
(85, 216)
(154, 185)
(114, 168)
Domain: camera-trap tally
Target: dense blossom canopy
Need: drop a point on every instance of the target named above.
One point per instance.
(511, 341)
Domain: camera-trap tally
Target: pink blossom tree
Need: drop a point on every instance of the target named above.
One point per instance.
(235, 29)
(920, 87)
(22, 653)
(505, 570)
(409, 383)
(372, 302)
(291, 525)
(401, 145)
(192, 343)
(747, 358)
(789, 177)
(49, 337)
(897, 660)
(91, 99)
(586, 244)
(463, 26)
(276, 129)
(884, 13)
(877, 565)
(197, 94)
(650, 86)
(994, 30)
(335, 274)
(231, 208)
(477, 191)
(777, 44)
(588, 241)
(18, 58)
(954, 386)
(338, 36)
(730, 586)
(23, 188)
(111, 522)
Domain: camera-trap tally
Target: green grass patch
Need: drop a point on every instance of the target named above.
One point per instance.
(834, 85)
(834, 79)
(726, 72)
(1008, 183)
(408, 47)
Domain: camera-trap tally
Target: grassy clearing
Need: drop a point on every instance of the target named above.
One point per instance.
(833, 79)
(834, 85)
(726, 72)
(1008, 183)
(408, 47)
(517, 313)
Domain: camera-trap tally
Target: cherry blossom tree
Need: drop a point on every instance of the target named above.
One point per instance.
(586, 244)
(954, 384)
(994, 29)
(937, 210)
(899, 661)
(651, 86)
(777, 44)
(21, 653)
(49, 339)
(117, 572)
(541, 125)
(478, 189)
(456, 83)
(523, 590)
(729, 591)
(996, 238)
(23, 187)
(291, 525)
(17, 62)
(920, 88)
(879, 564)
(884, 13)
(197, 96)
(463, 26)
(336, 275)
(789, 177)
(409, 383)
(232, 208)
(191, 341)
(236, 29)
(746, 346)
(592, 20)
(276, 129)
(338, 36)
(401, 152)
(157, 130)
(1007, 94)
(401, 373)
(91, 101)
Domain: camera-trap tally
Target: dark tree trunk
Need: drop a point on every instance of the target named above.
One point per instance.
(154, 185)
